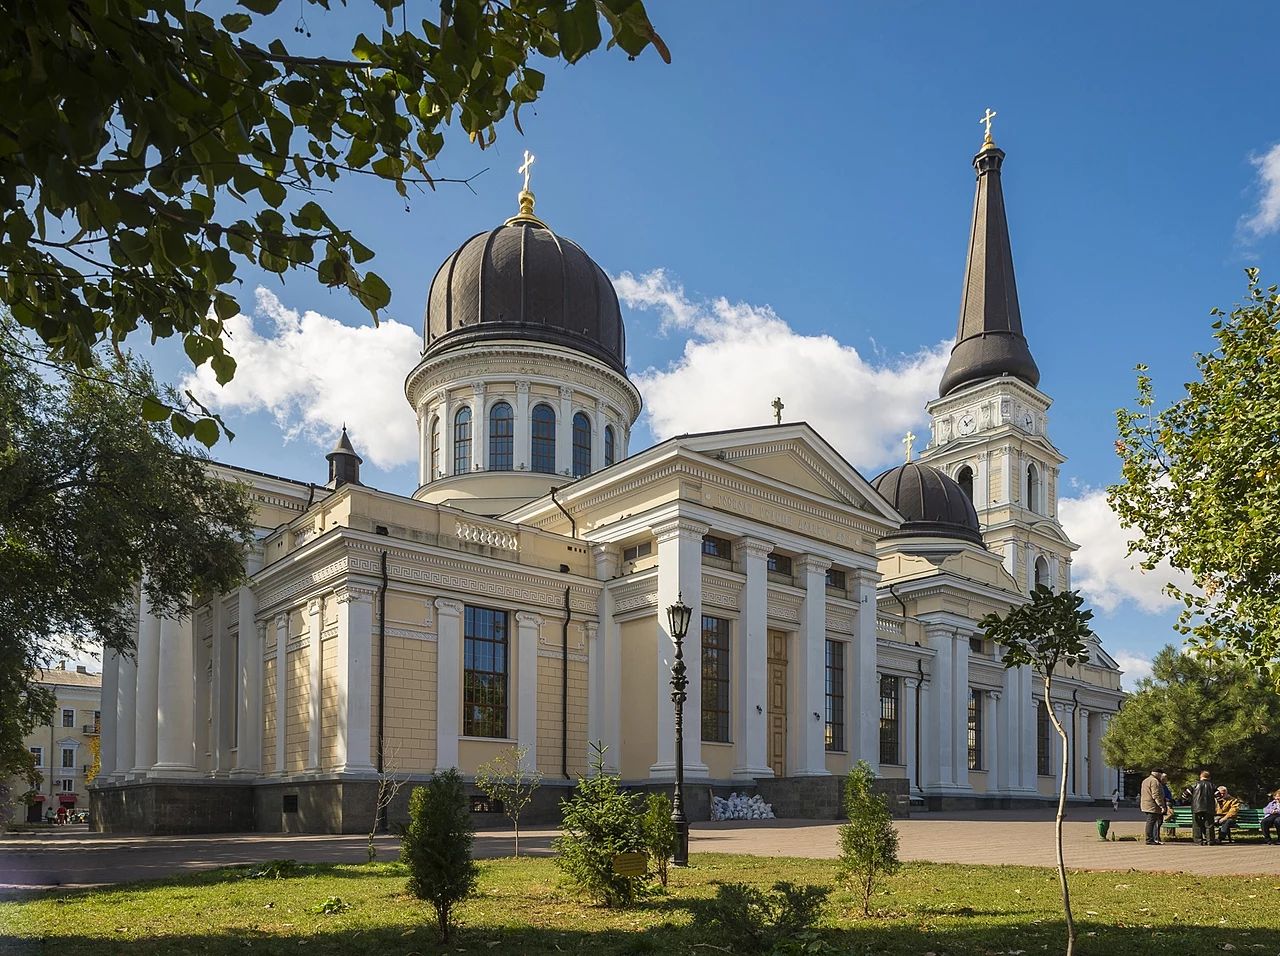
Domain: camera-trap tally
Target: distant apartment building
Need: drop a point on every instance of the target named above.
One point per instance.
(63, 749)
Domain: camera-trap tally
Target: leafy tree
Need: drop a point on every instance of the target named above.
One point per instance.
(869, 841)
(599, 822)
(506, 778)
(1201, 483)
(1047, 632)
(660, 835)
(1192, 715)
(437, 847)
(149, 152)
(90, 497)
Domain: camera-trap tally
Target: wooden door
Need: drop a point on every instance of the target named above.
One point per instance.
(778, 703)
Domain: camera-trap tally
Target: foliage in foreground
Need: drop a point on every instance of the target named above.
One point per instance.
(599, 822)
(1191, 715)
(751, 920)
(90, 495)
(507, 779)
(1201, 484)
(660, 836)
(869, 841)
(437, 847)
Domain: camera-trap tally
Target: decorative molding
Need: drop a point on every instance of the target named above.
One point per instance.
(555, 655)
(528, 619)
(347, 593)
(838, 621)
(449, 606)
(726, 596)
(679, 528)
(489, 535)
(812, 562)
(410, 634)
(635, 601)
(314, 606)
(331, 632)
(749, 547)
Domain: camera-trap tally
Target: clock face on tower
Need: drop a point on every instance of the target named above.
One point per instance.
(967, 424)
(1029, 422)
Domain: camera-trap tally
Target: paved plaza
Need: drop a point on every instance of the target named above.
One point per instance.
(73, 857)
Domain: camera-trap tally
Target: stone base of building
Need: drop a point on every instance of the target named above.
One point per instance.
(166, 806)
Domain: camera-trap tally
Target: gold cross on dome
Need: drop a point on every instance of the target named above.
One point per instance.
(526, 166)
(990, 115)
(908, 442)
(777, 410)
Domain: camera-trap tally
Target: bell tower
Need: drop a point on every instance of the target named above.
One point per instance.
(990, 420)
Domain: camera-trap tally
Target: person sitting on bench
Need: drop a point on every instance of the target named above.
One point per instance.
(1226, 809)
(1271, 819)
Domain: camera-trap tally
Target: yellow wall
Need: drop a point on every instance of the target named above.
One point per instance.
(550, 716)
(296, 704)
(269, 714)
(410, 731)
(639, 696)
(329, 701)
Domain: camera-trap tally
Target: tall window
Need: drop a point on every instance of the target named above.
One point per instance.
(1041, 571)
(436, 470)
(68, 758)
(835, 695)
(543, 452)
(501, 437)
(975, 730)
(608, 445)
(581, 445)
(1033, 487)
(1044, 752)
(68, 718)
(484, 674)
(964, 478)
(716, 701)
(38, 754)
(462, 441)
(889, 719)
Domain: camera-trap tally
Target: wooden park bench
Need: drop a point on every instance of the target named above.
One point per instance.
(1247, 821)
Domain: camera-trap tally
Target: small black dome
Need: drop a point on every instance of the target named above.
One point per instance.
(522, 281)
(933, 504)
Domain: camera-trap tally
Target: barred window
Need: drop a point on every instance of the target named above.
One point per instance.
(1044, 752)
(975, 730)
(462, 441)
(484, 675)
(581, 445)
(716, 699)
(501, 437)
(835, 695)
(544, 440)
(889, 719)
(608, 445)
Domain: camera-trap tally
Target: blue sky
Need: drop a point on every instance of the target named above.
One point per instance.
(809, 163)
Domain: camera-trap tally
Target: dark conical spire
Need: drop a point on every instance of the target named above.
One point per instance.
(344, 463)
(989, 342)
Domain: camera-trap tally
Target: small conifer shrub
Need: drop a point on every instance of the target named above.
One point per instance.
(437, 847)
(869, 841)
(659, 834)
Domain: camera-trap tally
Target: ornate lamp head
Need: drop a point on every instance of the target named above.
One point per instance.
(678, 616)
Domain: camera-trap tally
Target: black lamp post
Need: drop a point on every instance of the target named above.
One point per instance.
(678, 616)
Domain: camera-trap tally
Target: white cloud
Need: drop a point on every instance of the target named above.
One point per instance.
(312, 374)
(738, 356)
(1101, 569)
(1266, 218)
(1135, 666)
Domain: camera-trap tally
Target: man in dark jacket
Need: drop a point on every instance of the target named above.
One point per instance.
(1202, 810)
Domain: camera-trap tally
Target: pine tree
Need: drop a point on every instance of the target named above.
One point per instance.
(869, 841)
(437, 847)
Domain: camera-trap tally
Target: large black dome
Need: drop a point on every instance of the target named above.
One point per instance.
(933, 504)
(522, 281)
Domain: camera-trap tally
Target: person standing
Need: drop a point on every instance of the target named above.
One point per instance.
(1271, 818)
(1153, 804)
(1202, 809)
(1115, 800)
(1226, 809)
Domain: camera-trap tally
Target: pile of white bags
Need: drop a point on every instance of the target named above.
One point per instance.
(738, 806)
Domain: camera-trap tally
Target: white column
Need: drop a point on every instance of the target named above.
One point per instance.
(1060, 711)
(353, 652)
(448, 681)
(1103, 778)
(521, 442)
(221, 698)
(805, 724)
(1084, 756)
(528, 628)
(994, 745)
(479, 430)
(424, 445)
(679, 578)
(315, 666)
(866, 697)
(107, 726)
(751, 731)
(1030, 775)
(175, 699)
(591, 632)
(597, 435)
(282, 687)
(249, 644)
(960, 702)
(907, 708)
(126, 705)
(564, 431)
(940, 697)
(608, 668)
(144, 714)
(446, 433)
(1009, 715)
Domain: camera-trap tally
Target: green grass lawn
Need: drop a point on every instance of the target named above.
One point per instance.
(523, 908)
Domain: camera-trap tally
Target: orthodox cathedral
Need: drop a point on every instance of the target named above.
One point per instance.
(518, 599)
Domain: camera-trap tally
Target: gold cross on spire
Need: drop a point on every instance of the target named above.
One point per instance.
(908, 442)
(990, 115)
(526, 195)
(777, 410)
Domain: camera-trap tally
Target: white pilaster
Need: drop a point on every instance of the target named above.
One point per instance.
(866, 697)
(1084, 756)
(353, 652)
(564, 432)
(1059, 711)
(751, 733)
(805, 724)
(679, 578)
(249, 646)
(597, 435)
(907, 730)
(521, 443)
(107, 725)
(1030, 778)
(175, 699)
(960, 701)
(144, 715)
(479, 429)
(126, 706)
(448, 681)
(222, 696)
(282, 687)
(528, 629)
(994, 745)
(591, 632)
(446, 433)
(424, 446)
(608, 661)
(315, 667)
(941, 770)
